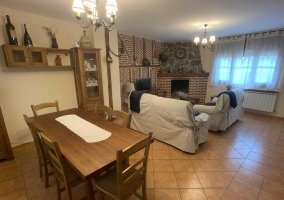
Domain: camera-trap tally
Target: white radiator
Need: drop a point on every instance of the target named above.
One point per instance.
(263, 101)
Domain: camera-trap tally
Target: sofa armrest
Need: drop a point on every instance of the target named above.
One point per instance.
(205, 109)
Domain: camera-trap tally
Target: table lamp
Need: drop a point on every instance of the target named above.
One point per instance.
(129, 87)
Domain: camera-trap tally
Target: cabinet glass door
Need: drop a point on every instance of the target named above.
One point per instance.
(18, 56)
(91, 74)
(37, 57)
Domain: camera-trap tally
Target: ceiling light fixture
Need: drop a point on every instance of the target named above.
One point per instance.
(204, 40)
(92, 13)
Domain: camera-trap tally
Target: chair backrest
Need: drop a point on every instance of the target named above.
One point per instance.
(44, 105)
(103, 111)
(37, 140)
(57, 160)
(135, 173)
(121, 117)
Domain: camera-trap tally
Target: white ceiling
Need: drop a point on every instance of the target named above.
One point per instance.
(173, 20)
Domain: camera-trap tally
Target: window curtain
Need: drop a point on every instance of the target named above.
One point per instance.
(260, 66)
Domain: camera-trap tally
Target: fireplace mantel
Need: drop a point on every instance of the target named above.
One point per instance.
(183, 74)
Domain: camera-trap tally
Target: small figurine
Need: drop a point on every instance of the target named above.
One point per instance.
(58, 61)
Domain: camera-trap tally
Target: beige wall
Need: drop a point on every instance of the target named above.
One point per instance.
(19, 88)
(206, 63)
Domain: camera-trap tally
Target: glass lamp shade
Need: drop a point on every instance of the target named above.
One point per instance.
(212, 39)
(196, 40)
(129, 87)
(78, 6)
(111, 8)
(90, 3)
(204, 41)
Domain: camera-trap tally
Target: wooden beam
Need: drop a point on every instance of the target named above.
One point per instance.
(108, 70)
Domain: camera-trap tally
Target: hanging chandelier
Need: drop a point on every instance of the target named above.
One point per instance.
(92, 13)
(204, 40)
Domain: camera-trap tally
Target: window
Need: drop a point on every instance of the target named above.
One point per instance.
(259, 67)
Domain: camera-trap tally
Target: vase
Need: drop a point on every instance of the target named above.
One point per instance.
(85, 41)
(54, 43)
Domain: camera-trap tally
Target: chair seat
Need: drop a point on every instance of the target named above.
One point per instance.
(108, 183)
(72, 175)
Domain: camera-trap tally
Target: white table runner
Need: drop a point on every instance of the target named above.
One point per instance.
(86, 130)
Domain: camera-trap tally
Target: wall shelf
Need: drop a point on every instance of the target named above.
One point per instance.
(31, 57)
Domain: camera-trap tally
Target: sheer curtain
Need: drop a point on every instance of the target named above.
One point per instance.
(260, 66)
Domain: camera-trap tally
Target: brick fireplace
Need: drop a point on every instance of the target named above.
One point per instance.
(197, 84)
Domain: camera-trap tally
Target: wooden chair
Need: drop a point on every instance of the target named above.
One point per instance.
(43, 158)
(124, 180)
(101, 110)
(44, 105)
(64, 174)
(121, 117)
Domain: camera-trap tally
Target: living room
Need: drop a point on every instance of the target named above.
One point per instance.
(22, 87)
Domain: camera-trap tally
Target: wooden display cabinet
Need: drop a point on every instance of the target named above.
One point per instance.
(23, 56)
(5, 146)
(88, 78)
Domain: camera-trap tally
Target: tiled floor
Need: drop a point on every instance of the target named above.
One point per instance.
(245, 162)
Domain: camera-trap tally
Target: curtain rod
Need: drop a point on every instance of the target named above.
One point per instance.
(253, 35)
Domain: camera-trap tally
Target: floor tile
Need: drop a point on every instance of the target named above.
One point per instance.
(169, 194)
(187, 180)
(150, 180)
(10, 172)
(262, 151)
(276, 175)
(244, 152)
(165, 180)
(268, 196)
(19, 194)
(228, 195)
(279, 156)
(277, 164)
(274, 187)
(250, 177)
(161, 154)
(163, 165)
(255, 167)
(182, 165)
(214, 193)
(244, 189)
(215, 179)
(222, 165)
(265, 160)
(11, 185)
(202, 165)
(192, 194)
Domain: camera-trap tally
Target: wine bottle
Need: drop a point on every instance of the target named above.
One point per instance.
(27, 39)
(11, 32)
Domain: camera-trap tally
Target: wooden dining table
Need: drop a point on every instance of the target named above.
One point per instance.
(87, 158)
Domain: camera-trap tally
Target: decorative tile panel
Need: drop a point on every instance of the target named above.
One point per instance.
(124, 60)
(138, 50)
(148, 50)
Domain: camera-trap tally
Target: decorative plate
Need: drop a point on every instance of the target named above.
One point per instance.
(181, 52)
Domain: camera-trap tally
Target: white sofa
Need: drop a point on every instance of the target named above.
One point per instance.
(222, 115)
(172, 121)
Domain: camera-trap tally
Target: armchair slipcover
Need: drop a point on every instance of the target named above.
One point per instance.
(222, 115)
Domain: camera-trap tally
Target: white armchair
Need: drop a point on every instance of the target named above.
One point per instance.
(222, 115)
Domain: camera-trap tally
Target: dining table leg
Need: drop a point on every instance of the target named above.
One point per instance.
(90, 195)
